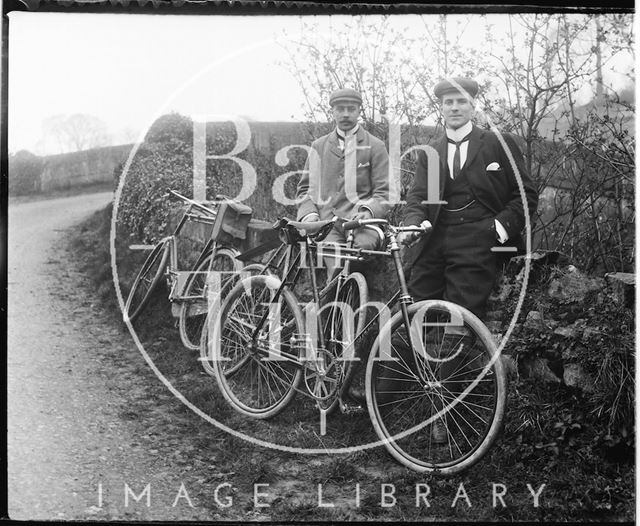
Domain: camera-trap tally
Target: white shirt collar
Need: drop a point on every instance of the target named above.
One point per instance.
(460, 133)
(352, 131)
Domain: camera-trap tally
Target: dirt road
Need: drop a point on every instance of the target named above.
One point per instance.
(73, 446)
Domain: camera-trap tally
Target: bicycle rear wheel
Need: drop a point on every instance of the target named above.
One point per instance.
(253, 269)
(146, 281)
(246, 366)
(438, 406)
(342, 320)
(196, 296)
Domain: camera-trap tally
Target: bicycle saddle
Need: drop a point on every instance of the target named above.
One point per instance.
(294, 231)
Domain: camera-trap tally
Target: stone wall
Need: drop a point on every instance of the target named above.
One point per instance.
(567, 320)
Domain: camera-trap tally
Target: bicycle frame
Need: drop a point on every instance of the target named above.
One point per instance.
(189, 216)
(292, 270)
(459, 399)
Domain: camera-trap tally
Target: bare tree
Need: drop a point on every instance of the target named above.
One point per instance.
(69, 133)
(367, 55)
(544, 61)
(533, 71)
(392, 66)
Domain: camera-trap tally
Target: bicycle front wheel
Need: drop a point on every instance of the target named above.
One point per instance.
(258, 371)
(147, 280)
(437, 402)
(221, 265)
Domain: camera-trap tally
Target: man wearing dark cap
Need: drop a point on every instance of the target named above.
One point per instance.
(483, 206)
(346, 174)
(482, 209)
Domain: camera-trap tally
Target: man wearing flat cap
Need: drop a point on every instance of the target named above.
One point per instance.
(479, 208)
(483, 209)
(346, 174)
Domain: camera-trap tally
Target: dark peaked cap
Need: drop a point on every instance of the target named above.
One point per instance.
(461, 85)
(345, 95)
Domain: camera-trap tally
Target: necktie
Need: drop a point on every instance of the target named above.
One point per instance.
(456, 155)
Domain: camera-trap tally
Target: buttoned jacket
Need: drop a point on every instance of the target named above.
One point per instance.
(492, 173)
(322, 187)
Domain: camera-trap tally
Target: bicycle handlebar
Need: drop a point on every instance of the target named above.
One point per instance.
(357, 223)
(411, 228)
(193, 203)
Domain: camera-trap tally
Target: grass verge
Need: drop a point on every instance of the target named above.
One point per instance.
(549, 439)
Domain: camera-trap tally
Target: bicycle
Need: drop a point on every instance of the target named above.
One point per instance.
(433, 363)
(294, 253)
(187, 290)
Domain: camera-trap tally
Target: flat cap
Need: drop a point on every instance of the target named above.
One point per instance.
(456, 85)
(345, 95)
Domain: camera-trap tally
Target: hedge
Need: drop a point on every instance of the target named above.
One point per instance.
(165, 161)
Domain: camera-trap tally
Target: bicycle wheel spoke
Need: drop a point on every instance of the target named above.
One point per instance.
(195, 297)
(442, 411)
(147, 280)
(469, 426)
(236, 323)
(260, 386)
(340, 320)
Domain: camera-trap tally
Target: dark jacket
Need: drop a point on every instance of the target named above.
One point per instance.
(498, 190)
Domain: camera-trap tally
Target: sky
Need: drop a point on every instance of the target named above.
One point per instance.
(125, 68)
(129, 69)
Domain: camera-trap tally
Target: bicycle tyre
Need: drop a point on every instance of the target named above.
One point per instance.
(249, 270)
(353, 293)
(146, 281)
(193, 312)
(252, 385)
(468, 400)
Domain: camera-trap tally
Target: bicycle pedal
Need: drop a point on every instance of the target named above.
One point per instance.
(350, 408)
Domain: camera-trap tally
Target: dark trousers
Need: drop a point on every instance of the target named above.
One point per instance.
(457, 265)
